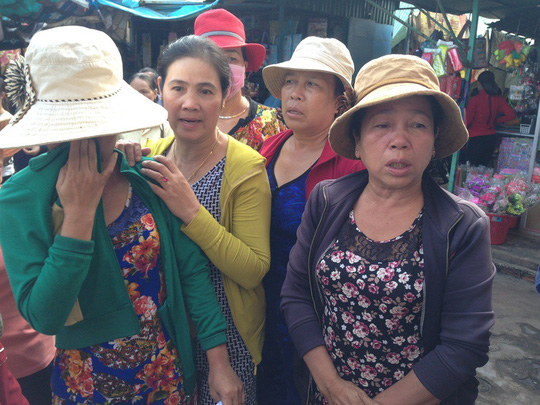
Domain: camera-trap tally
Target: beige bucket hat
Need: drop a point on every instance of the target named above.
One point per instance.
(69, 86)
(393, 77)
(324, 55)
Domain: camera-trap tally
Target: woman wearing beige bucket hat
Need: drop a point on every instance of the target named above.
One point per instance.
(314, 86)
(94, 257)
(379, 291)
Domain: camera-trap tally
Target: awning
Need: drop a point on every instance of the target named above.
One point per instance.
(518, 17)
(161, 9)
(496, 9)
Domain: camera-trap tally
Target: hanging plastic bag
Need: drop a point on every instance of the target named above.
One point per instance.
(438, 65)
(429, 54)
(454, 59)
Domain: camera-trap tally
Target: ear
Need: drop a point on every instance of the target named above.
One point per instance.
(159, 85)
(356, 148)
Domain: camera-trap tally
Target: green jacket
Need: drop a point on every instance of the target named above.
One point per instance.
(55, 278)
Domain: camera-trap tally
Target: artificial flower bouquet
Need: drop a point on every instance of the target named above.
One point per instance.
(498, 193)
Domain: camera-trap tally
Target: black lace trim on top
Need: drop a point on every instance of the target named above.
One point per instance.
(395, 249)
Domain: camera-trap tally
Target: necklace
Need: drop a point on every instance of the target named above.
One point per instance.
(228, 117)
(202, 163)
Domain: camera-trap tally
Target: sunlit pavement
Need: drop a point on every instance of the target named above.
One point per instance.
(512, 375)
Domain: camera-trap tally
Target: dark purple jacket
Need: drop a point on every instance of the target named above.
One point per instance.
(456, 315)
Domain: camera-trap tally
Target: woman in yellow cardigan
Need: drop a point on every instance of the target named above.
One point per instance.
(220, 190)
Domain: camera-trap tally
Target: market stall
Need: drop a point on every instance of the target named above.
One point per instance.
(515, 60)
(509, 55)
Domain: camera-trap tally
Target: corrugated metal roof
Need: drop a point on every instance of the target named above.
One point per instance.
(342, 8)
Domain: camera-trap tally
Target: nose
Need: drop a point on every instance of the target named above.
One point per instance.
(400, 138)
(190, 101)
(296, 94)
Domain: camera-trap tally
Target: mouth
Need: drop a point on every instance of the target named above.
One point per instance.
(294, 111)
(189, 120)
(398, 165)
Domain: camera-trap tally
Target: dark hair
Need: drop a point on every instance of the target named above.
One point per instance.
(339, 88)
(436, 111)
(146, 78)
(487, 80)
(149, 70)
(195, 47)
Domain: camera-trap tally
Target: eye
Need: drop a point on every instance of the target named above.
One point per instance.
(312, 84)
(419, 125)
(207, 92)
(233, 59)
(381, 125)
(177, 88)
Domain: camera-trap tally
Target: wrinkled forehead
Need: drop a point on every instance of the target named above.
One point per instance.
(412, 105)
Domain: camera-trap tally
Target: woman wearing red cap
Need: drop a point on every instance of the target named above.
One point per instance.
(242, 118)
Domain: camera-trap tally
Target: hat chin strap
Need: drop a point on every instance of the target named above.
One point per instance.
(222, 33)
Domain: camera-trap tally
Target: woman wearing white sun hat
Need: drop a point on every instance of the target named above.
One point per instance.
(315, 88)
(93, 256)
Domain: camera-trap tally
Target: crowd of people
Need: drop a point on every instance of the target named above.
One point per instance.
(180, 243)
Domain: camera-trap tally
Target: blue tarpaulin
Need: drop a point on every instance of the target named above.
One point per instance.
(169, 11)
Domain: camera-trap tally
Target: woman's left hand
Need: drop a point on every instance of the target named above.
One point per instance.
(173, 188)
(225, 386)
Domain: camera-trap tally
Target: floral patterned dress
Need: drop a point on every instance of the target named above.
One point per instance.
(373, 298)
(261, 123)
(208, 192)
(140, 369)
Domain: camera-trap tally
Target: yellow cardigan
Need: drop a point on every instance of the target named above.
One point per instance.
(239, 246)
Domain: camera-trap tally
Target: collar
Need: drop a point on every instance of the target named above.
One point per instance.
(276, 141)
(441, 207)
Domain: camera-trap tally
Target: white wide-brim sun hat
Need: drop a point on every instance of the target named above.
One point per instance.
(68, 87)
(313, 54)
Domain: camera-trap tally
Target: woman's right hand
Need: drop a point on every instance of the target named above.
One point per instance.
(336, 390)
(132, 150)
(343, 392)
(80, 187)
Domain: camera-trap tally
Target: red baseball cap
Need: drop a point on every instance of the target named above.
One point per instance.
(227, 31)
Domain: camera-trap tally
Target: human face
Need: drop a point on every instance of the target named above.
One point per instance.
(235, 56)
(309, 101)
(142, 87)
(193, 98)
(396, 142)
